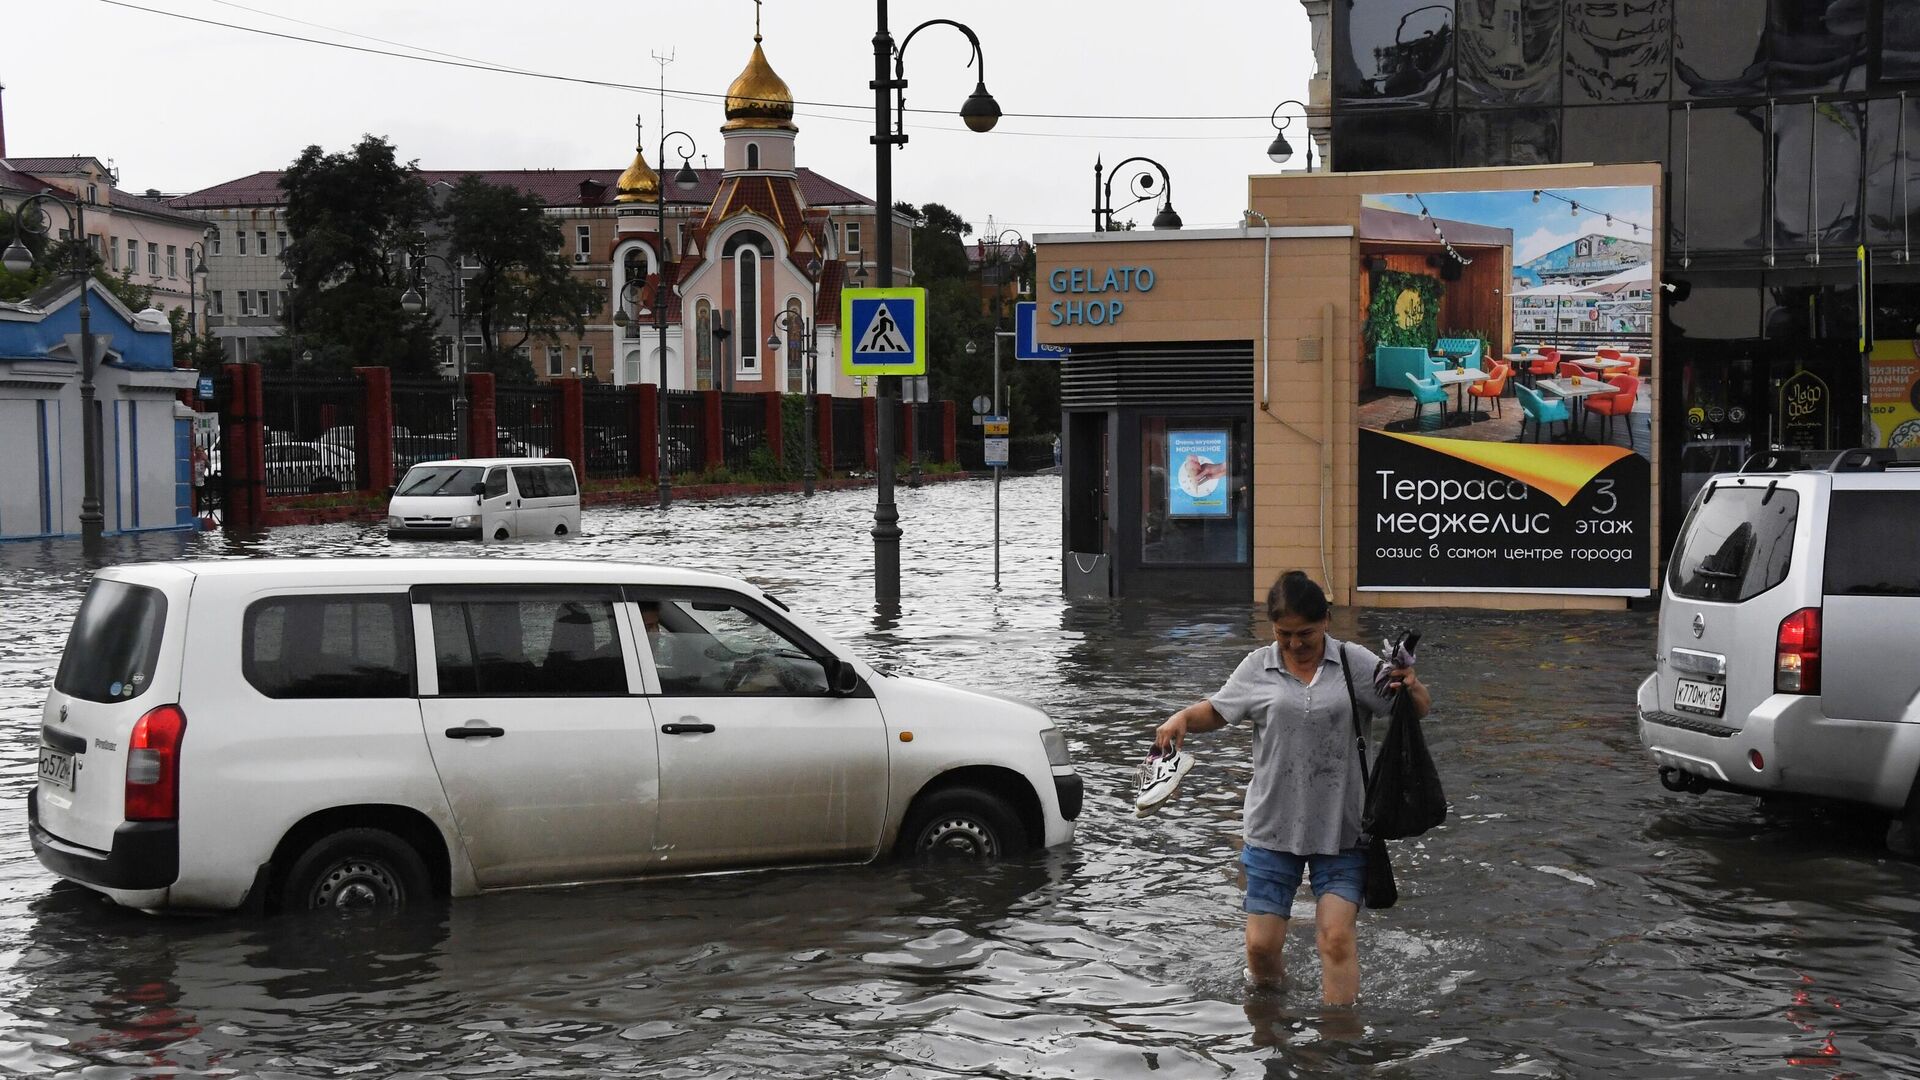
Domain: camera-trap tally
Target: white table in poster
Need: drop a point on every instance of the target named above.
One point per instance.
(1458, 379)
(1602, 366)
(1564, 388)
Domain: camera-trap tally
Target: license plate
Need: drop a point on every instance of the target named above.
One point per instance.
(56, 767)
(1700, 697)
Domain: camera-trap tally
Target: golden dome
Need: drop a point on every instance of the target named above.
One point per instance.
(758, 98)
(639, 183)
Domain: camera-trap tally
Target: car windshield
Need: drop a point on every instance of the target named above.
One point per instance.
(439, 480)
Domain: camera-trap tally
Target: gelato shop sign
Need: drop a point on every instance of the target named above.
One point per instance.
(1107, 289)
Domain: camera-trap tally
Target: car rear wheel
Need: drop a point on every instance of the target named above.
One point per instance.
(962, 823)
(559, 530)
(356, 870)
(500, 533)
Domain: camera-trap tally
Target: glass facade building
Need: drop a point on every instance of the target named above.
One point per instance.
(1787, 140)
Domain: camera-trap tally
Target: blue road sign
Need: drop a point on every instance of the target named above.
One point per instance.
(886, 331)
(206, 388)
(1026, 344)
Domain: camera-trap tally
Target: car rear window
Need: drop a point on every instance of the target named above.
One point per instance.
(331, 646)
(114, 644)
(559, 480)
(1873, 548)
(528, 647)
(1737, 543)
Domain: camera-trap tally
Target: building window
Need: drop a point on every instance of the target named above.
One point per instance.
(173, 261)
(214, 304)
(586, 361)
(582, 241)
(703, 345)
(753, 155)
(240, 239)
(746, 293)
(266, 303)
(113, 249)
(153, 260)
(261, 236)
(93, 193)
(631, 367)
(556, 360)
(213, 238)
(280, 302)
(282, 240)
(853, 237)
(133, 254)
(246, 303)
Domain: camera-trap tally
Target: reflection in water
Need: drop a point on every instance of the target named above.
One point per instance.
(1571, 918)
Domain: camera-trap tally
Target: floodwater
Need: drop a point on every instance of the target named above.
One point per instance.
(1571, 919)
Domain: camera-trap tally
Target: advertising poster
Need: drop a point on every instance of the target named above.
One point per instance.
(1893, 393)
(1198, 464)
(1506, 410)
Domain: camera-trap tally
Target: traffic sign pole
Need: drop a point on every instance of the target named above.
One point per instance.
(997, 469)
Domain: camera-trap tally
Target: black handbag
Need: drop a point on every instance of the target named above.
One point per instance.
(1380, 891)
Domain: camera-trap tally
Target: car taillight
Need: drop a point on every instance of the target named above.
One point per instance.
(153, 765)
(1796, 655)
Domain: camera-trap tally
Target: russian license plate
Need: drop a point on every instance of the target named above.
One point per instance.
(1700, 697)
(56, 767)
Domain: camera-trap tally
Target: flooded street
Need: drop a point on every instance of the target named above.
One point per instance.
(1571, 919)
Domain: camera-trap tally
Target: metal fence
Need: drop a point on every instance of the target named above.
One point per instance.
(528, 418)
(849, 436)
(422, 423)
(610, 443)
(928, 430)
(310, 428)
(685, 421)
(743, 427)
(1640, 345)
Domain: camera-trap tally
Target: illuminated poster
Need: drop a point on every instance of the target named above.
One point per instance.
(1893, 388)
(1197, 465)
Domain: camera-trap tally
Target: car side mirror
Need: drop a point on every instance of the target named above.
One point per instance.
(842, 678)
(480, 490)
(392, 489)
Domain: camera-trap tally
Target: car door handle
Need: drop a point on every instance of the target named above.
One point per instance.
(475, 732)
(687, 729)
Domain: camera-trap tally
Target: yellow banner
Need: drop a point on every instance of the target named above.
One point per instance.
(1893, 391)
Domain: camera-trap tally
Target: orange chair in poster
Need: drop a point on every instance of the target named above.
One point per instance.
(1543, 367)
(1632, 368)
(1607, 354)
(1494, 386)
(1619, 403)
(1574, 371)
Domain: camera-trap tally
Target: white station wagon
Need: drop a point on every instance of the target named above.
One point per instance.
(277, 734)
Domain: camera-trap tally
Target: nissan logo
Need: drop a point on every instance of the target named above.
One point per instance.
(1699, 624)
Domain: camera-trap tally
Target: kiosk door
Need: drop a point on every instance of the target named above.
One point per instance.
(1089, 495)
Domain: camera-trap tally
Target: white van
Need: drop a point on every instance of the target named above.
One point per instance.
(1787, 662)
(494, 498)
(377, 732)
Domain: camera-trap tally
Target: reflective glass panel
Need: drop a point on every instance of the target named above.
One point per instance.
(1900, 41)
(1507, 137)
(1893, 170)
(1195, 492)
(1719, 48)
(1718, 310)
(1816, 174)
(1807, 304)
(1509, 52)
(1393, 52)
(1618, 50)
(1717, 165)
(1818, 45)
(1611, 133)
(1369, 143)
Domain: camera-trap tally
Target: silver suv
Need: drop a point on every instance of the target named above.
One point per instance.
(1788, 661)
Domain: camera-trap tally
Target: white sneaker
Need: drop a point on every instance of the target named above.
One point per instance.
(1159, 777)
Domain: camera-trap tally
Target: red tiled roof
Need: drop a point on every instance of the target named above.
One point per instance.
(15, 179)
(557, 187)
(52, 164)
(140, 204)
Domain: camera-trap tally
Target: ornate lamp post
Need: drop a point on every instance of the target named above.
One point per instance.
(796, 328)
(31, 218)
(981, 113)
(685, 179)
(1141, 185)
(414, 301)
(196, 266)
(1280, 151)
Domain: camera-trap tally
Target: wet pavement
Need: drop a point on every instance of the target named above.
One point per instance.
(1571, 919)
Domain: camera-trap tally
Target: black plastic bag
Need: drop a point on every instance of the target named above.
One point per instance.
(1404, 797)
(1380, 890)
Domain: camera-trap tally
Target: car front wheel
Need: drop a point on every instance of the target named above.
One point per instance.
(962, 823)
(356, 870)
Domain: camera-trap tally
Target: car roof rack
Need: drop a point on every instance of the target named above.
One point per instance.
(1875, 459)
(1856, 459)
(1784, 459)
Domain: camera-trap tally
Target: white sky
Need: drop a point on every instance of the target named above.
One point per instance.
(180, 105)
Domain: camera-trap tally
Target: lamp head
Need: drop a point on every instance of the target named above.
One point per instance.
(411, 302)
(972, 348)
(684, 177)
(620, 317)
(1166, 218)
(1280, 151)
(980, 112)
(17, 258)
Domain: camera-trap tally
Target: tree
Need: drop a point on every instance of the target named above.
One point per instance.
(525, 288)
(350, 216)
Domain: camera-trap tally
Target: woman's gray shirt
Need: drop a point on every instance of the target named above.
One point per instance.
(1307, 792)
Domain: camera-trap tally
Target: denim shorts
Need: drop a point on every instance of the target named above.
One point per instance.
(1274, 876)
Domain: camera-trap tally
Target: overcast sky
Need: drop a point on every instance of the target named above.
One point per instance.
(180, 105)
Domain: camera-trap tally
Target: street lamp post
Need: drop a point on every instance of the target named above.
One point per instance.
(1280, 151)
(685, 179)
(196, 265)
(414, 301)
(809, 329)
(1141, 185)
(981, 113)
(31, 217)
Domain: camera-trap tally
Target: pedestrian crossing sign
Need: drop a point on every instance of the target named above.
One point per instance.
(883, 331)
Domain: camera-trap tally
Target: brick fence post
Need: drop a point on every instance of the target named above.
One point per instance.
(870, 431)
(243, 454)
(776, 425)
(643, 428)
(713, 447)
(823, 434)
(373, 436)
(483, 415)
(573, 424)
(948, 451)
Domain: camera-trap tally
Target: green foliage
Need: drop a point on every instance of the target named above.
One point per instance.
(350, 216)
(524, 288)
(1383, 316)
